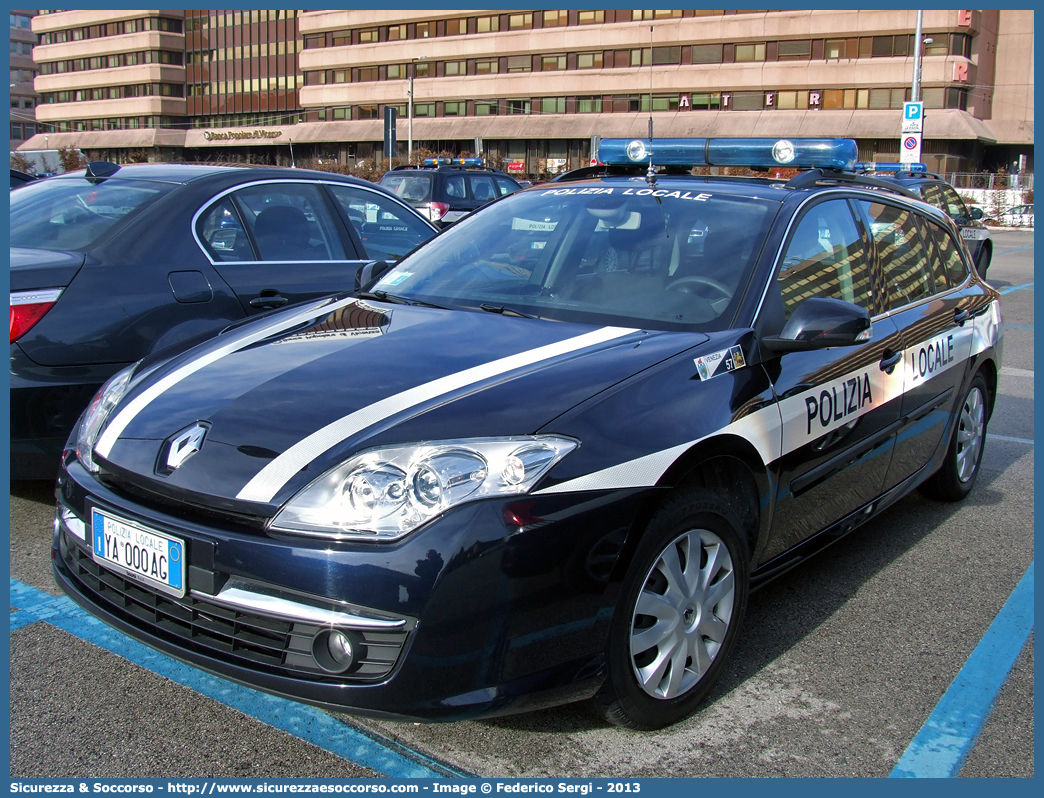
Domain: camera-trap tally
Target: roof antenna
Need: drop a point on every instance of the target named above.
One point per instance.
(292, 164)
(650, 176)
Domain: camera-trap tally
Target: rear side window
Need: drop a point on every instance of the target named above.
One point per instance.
(289, 222)
(505, 186)
(64, 214)
(825, 257)
(901, 254)
(951, 264)
(410, 187)
(387, 229)
(453, 187)
(482, 188)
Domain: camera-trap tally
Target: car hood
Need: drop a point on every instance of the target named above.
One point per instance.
(285, 398)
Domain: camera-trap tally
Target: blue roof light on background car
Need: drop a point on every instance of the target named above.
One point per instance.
(453, 162)
(794, 153)
(872, 166)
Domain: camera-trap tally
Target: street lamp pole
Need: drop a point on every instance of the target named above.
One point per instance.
(915, 94)
(409, 109)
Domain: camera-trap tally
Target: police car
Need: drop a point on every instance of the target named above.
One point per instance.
(546, 457)
(935, 191)
(445, 190)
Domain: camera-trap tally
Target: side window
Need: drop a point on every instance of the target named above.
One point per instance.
(454, 187)
(221, 232)
(953, 204)
(482, 188)
(505, 186)
(949, 254)
(289, 222)
(901, 254)
(387, 230)
(933, 195)
(825, 257)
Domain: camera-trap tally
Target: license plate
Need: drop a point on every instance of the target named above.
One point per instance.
(150, 557)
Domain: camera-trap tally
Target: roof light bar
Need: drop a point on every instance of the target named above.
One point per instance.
(453, 162)
(872, 166)
(793, 153)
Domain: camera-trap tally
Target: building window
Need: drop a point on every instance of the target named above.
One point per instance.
(748, 101)
(519, 63)
(550, 63)
(792, 100)
(368, 74)
(396, 33)
(589, 60)
(487, 108)
(666, 55)
(487, 24)
(589, 105)
(552, 105)
(422, 69)
(706, 101)
(424, 109)
(750, 52)
(456, 27)
(519, 106)
(706, 53)
(841, 48)
(425, 30)
(342, 38)
(340, 76)
(455, 109)
(368, 35)
(452, 68)
(591, 17)
(800, 50)
(365, 112)
(556, 19)
(520, 21)
(640, 57)
(396, 71)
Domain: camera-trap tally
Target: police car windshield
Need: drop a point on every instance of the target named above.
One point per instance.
(666, 258)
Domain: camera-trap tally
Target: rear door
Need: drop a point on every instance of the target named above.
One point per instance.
(839, 406)
(923, 271)
(278, 242)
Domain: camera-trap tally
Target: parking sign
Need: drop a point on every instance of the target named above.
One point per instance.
(913, 117)
(910, 148)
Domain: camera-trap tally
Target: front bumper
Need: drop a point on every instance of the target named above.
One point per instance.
(497, 607)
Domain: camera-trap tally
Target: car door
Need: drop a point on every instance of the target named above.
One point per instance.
(922, 271)
(385, 229)
(839, 406)
(277, 242)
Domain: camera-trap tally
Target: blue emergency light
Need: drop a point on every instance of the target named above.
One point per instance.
(453, 162)
(872, 166)
(774, 153)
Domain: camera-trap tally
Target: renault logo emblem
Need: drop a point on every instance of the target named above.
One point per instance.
(185, 444)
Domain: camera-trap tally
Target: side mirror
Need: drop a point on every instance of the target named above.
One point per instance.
(976, 213)
(370, 273)
(820, 323)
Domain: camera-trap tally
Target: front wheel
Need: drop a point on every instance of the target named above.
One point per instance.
(982, 263)
(684, 596)
(955, 479)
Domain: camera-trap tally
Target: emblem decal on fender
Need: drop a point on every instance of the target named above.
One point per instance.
(720, 362)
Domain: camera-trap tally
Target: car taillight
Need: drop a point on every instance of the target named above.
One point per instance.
(436, 210)
(28, 307)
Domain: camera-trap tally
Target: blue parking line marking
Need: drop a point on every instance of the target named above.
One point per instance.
(942, 745)
(304, 722)
(1020, 249)
(1016, 288)
(1016, 327)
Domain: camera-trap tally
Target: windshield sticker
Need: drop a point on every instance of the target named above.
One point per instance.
(395, 279)
(720, 362)
(545, 226)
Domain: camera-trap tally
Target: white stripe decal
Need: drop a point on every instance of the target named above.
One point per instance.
(787, 426)
(119, 423)
(270, 480)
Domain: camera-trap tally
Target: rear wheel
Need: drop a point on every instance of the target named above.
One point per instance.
(982, 263)
(955, 479)
(684, 596)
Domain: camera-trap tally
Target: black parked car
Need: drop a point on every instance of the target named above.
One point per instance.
(546, 457)
(19, 179)
(446, 190)
(112, 264)
(936, 191)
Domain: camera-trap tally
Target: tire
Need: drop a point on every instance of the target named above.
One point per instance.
(982, 263)
(698, 606)
(954, 480)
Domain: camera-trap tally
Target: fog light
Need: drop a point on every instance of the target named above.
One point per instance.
(334, 650)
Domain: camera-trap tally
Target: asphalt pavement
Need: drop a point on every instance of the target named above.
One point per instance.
(840, 663)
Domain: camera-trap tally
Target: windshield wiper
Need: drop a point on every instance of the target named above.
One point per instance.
(384, 296)
(506, 311)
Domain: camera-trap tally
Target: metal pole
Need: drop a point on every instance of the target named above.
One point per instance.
(409, 111)
(915, 94)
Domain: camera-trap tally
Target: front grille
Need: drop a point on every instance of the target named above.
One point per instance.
(248, 639)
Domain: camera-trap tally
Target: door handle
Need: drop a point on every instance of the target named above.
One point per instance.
(889, 361)
(960, 316)
(267, 301)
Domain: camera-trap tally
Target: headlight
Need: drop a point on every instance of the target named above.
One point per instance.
(384, 494)
(97, 414)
